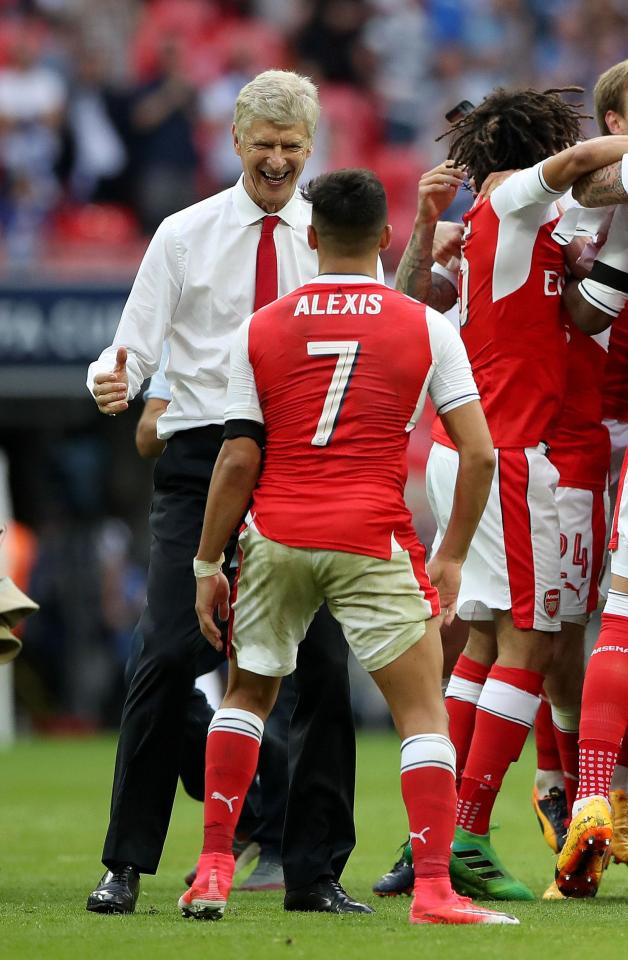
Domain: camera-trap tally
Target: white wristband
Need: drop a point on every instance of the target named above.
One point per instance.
(205, 568)
(442, 271)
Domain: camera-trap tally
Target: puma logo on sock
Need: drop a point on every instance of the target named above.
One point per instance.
(419, 836)
(227, 800)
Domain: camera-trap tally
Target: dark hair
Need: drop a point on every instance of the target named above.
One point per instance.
(514, 129)
(349, 209)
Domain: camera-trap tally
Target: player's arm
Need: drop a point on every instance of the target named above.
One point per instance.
(233, 481)
(603, 187)
(455, 397)
(156, 399)
(147, 442)
(527, 193)
(599, 298)
(466, 426)
(437, 189)
(565, 168)
(119, 372)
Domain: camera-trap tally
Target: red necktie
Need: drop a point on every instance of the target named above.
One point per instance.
(266, 267)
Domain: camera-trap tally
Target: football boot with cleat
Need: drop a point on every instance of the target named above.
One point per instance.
(582, 860)
(435, 902)
(207, 897)
(551, 812)
(476, 870)
(619, 816)
(399, 880)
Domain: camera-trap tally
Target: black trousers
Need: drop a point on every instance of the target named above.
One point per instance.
(264, 811)
(319, 833)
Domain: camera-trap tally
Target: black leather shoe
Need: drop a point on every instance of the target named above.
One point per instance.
(324, 896)
(117, 891)
(400, 878)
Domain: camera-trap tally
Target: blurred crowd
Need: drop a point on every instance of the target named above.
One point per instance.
(114, 113)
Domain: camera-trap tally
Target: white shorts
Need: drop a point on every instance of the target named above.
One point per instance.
(618, 544)
(514, 559)
(378, 603)
(583, 516)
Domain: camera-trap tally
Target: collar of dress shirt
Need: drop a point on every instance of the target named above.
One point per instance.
(346, 278)
(248, 211)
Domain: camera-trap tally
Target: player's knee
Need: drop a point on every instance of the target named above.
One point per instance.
(425, 718)
(256, 697)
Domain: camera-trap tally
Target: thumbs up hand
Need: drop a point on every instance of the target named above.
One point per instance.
(110, 389)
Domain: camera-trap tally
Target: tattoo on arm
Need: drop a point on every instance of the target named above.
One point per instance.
(601, 188)
(414, 275)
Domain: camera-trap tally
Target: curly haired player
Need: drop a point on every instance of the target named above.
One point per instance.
(512, 323)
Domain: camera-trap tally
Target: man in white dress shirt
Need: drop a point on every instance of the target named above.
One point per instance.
(206, 269)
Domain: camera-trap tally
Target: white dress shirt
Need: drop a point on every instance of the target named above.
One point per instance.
(158, 387)
(194, 288)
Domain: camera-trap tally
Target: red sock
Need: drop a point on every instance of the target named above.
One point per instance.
(461, 697)
(505, 713)
(604, 715)
(597, 764)
(428, 769)
(230, 764)
(567, 740)
(547, 755)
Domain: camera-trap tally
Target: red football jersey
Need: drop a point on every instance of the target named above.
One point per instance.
(338, 372)
(615, 401)
(511, 321)
(580, 446)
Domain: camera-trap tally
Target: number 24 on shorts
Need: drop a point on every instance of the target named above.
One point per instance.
(580, 556)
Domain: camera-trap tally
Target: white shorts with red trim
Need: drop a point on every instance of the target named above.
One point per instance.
(583, 517)
(514, 559)
(380, 604)
(618, 544)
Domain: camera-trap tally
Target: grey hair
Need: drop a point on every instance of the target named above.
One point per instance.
(281, 97)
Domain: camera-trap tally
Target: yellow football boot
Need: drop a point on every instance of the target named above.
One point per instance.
(553, 893)
(582, 859)
(619, 813)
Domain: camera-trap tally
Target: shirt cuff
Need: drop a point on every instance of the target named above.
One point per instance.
(450, 405)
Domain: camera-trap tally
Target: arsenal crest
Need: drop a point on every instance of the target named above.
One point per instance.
(551, 602)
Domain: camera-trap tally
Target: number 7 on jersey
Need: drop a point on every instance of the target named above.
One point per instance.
(347, 352)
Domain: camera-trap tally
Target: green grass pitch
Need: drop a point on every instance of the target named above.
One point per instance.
(53, 809)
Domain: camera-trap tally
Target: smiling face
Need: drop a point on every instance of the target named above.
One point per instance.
(272, 158)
